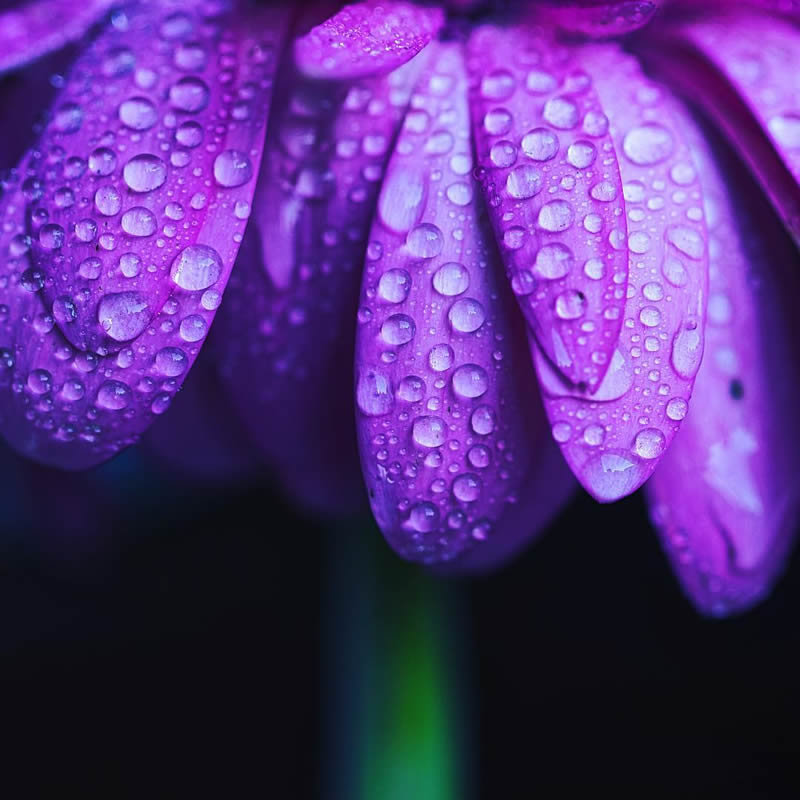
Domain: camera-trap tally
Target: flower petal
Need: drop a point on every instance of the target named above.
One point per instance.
(289, 317)
(552, 185)
(73, 408)
(727, 494)
(600, 18)
(364, 39)
(38, 27)
(446, 432)
(614, 440)
(129, 210)
(744, 67)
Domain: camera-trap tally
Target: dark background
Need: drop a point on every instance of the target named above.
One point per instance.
(186, 643)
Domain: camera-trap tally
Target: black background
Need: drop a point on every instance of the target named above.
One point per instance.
(179, 648)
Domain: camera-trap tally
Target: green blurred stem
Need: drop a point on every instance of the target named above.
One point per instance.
(395, 676)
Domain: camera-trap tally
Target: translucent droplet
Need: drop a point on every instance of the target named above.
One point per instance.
(466, 315)
(138, 113)
(482, 420)
(524, 181)
(374, 393)
(196, 267)
(451, 279)
(571, 304)
(540, 144)
(189, 94)
(441, 357)
(647, 144)
(429, 431)
(145, 173)
(232, 168)
(139, 221)
(649, 443)
(108, 201)
(394, 285)
(398, 329)
(556, 216)
(470, 381)
(561, 113)
(425, 241)
(553, 261)
(123, 315)
(467, 488)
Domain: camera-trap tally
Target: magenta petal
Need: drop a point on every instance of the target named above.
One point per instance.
(289, 316)
(370, 38)
(446, 434)
(727, 494)
(614, 439)
(744, 68)
(600, 18)
(169, 256)
(148, 171)
(552, 184)
(38, 27)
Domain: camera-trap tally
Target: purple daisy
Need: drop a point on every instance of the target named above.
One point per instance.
(559, 237)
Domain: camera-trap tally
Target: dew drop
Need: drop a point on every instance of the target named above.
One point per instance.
(232, 168)
(196, 267)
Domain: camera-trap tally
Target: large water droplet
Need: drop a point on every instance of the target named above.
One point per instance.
(524, 181)
(429, 431)
(451, 279)
(139, 221)
(394, 285)
(647, 144)
(145, 173)
(123, 315)
(196, 267)
(425, 241)
(189, 94)
(466, 315)
(374, 393)
(553, 261)
(470, 381)
(232, 168)
(138, 113)
(398, 329)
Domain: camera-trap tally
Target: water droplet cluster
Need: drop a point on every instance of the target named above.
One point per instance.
(614, 438)
(120, 228)
(440, 430)
(550, 175)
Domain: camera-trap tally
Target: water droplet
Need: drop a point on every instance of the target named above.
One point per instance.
(196, 267)
(451, 279)
(562, 432)
(123, 315)
(108, 201)
(466, 315)
(139, 221)
(425, 241)
(441, 357)
(232, 168)
(102, 161)
(612, 475)
(138, 113)
(677, 408)
(687, 240)
(193, 328)
(190, 57)
(398, 329)
(411, 389)
(649, 443)
(524, 181)
(503, 154)
(650, 316)
(540, 144)
(51, 236)
(479, 456)
(171, 361)
(482, 420)
(581, 154)
(786, 129)
(374, 393)
(423, 517)
(553, 261)
(394, 285)
(560, 113)
(538, 81)
(467, 487)
(113, 396)
(497, 122)
(594, 435)
(90, 268)
(556, 216)
(571, 304)
(498, 85)
(189, 94)
(68, 118)
(429, 431)
(470, 381)
(459, 193)
(189, 134)
(145, 173)
(648, 144)
(687, 351)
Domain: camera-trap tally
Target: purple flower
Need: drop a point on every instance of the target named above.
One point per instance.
(414, 177)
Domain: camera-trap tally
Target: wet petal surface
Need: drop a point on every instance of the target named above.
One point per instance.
(366, 39)
(74, 406)
(552, 184)
(600, 18)
(33, 29)
(446, 432)
(745, 68)
(289, 317)
(614, 440)
(726, 496)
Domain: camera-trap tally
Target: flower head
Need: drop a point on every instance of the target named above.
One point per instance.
(552, 247)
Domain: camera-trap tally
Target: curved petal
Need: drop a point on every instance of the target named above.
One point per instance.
(744, 68)
(600, 18)
(38, 27)
(726, 496)
(289, 317)
(366, 39)
(552, 184)
(614, 440)
(446, 432)
(169, 254)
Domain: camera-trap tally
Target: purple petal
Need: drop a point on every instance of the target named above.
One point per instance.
(38, 27)
(446, 432)
(613, 440)
(553, 188)
(744, 69)
(370, 38)
(157, 267)
(600, 18)
(727, 494)
(289, 318)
